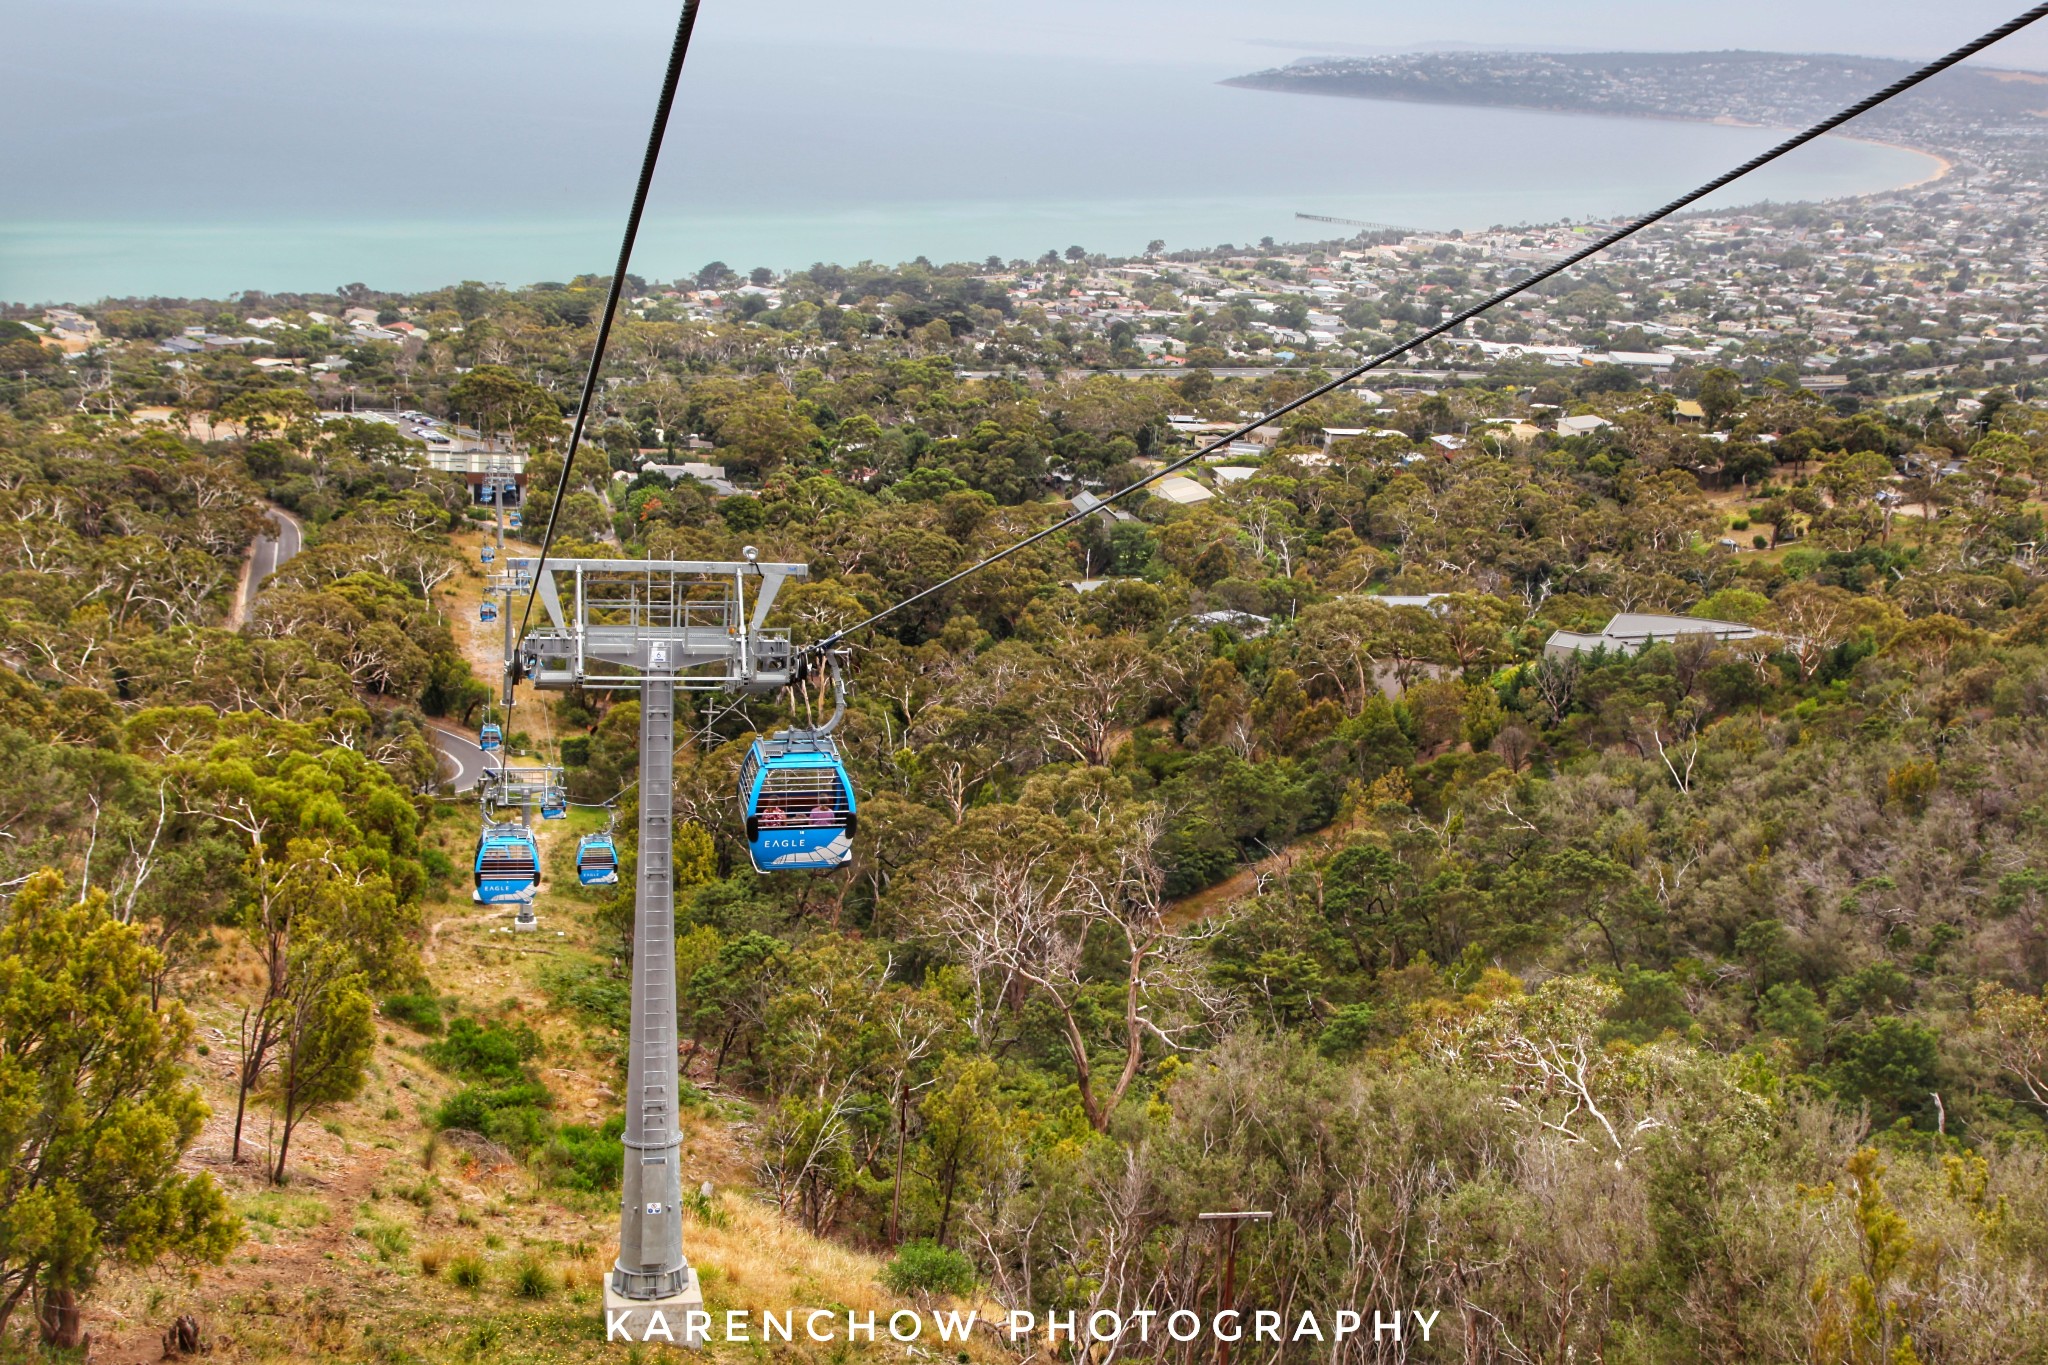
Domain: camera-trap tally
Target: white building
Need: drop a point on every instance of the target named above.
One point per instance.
(1631, 631)
(1181, 489)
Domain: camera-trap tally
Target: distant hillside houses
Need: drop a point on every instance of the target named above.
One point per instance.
(69, 331)
(1567, 357)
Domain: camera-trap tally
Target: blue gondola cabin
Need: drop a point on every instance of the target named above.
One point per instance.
(554, 804)
(799, 805)
(597, 860)
(490, 738)
(507, 864)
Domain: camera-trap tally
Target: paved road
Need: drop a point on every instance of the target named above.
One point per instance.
(271, 552)
(458, 752)
(275, 548)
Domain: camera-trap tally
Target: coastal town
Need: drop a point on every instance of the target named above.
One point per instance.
(1913, 293)
(1369, 793)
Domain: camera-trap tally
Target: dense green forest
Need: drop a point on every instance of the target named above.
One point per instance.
(1650, 1006)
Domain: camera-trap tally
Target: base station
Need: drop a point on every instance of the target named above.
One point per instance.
(655, 1320)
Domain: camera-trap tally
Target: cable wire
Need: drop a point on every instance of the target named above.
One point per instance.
(1719, 182)
(680, 49)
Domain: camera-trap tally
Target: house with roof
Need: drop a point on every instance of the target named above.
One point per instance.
(1630, 632)
(711, 476)
(69, 331)
(1084, 501)
(1581, 426)
(1179, 488)
(1248, 624)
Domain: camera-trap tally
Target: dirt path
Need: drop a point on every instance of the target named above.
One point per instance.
(483, 642)
(296, 1261)
(1251, 878)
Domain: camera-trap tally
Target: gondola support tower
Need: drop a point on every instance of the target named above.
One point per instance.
(655, 627)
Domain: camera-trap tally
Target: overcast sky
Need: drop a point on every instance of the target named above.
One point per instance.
(518, 116)
(1227, 31)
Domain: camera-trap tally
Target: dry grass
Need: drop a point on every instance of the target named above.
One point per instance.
(434, 1257)
(759, 1259)
(586, 1267)
(321, 1273)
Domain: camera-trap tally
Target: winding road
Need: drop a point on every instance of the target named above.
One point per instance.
(460, 752)
(271, 551)
(274, 550)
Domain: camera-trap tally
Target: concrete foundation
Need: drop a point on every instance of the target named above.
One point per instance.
(656, 1320)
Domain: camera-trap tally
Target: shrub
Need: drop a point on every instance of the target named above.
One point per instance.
(1910, 784)
(472, 1106)
(422, 1194)
(1894, 1067)
(485, 1052)
(388, 1239)
(417, 1010)
(1349, 1031)
(704, 1208)
(531, 1280)
(1760, 542)
(433, 1259)
(513, 1117)
(586, 1158)
(926, 1267)
(467, 1272)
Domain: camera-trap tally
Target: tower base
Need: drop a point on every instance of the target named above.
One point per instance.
(657, 1320)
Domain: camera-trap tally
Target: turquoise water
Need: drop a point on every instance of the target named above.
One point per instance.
(257, 179)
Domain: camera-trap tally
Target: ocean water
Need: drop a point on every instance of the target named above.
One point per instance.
(159, 169)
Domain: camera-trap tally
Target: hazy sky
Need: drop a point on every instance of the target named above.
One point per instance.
(149, 114)
(1228, 31)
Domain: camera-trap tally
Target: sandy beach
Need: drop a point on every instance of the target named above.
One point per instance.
(1943, 167)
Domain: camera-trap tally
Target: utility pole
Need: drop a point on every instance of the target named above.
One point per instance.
(1227, 1296)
